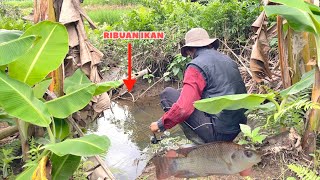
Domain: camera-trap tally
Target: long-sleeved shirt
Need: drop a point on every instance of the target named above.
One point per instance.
(193, 85)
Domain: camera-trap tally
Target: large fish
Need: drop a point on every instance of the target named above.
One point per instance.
(219, 158)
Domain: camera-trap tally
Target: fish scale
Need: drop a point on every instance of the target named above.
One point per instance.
(207, 159)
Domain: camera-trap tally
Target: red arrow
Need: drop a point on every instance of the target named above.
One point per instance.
(129, 82)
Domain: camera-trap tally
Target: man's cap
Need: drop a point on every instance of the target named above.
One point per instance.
(198, 37)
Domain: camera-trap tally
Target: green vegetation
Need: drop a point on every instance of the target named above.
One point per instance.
(253, 136)
(109, 16)
(175, 18)
(21, 4)
(9, 152)
(111, 2)
(303, 172)
(11, 18)
(16, 52)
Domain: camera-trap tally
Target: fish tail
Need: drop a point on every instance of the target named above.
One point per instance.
(165, 167)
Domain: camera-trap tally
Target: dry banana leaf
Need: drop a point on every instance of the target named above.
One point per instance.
(82, 53)
(259, 64)
(43, 171)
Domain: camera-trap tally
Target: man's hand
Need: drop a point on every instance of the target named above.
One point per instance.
(154, 127)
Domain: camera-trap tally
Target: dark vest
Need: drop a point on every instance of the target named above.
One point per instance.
(222, 77)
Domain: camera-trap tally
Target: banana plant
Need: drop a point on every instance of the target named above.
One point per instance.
(301, 17)
(28, 59)
(304, 17)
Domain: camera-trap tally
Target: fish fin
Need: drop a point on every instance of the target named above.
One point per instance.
(172, 154)
(165, 167)
(185, 151)
(185, 174)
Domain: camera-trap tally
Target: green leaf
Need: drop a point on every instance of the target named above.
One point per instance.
(180, 75)
(277, 115)
(88, 145)
(298, 4)
(40, 88)
(265, 108)
(242, 142)
(246, 130)
(166, 74)
(78, 78)
(64, 167)
(314, 9)
(255, 132)
(291, 178)
(27, 174)
(106, 86)
(231, 102)
(11, 50)
(259, 138)
(45, 56)
(17, 100)
(306, 81)
(8, 35)
(65, 105)
(175, 71)
(297, 19)
(62, 128)
(3, 68)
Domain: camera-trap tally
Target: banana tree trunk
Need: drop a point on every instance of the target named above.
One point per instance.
(285, 75)
(312, 124)
(308, 51)
(293, 56)
(309, 136)
(58, 75)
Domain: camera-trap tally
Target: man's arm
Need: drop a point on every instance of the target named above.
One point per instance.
(193, 85)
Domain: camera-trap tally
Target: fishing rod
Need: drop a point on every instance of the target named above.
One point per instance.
(155, 140)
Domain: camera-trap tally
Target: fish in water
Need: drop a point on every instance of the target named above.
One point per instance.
(218, 158)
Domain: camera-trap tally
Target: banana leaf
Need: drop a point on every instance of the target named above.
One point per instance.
(86, 146)
(18, 100)
(46, 55)
(231, 102)
(65, 105)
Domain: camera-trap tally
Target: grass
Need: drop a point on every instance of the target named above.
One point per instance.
(20, 4)
(111, 2)
(109, 16)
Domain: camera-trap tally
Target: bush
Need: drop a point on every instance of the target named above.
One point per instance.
(229, 20)
(11, 18)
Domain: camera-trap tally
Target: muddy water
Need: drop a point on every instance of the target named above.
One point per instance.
(126, 124)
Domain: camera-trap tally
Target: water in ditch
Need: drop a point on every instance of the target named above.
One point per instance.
(126, 124)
